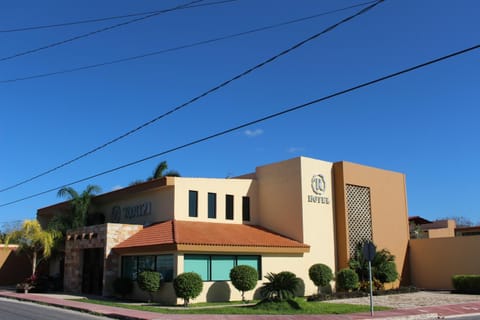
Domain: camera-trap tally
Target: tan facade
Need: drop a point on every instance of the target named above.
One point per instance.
(14, 267)
(304, 200)
(434, 261)
(384, 199)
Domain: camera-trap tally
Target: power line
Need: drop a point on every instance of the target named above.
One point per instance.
(202, 95)
(203, 42)
(247, 124)
(86, 21)
(88, 34)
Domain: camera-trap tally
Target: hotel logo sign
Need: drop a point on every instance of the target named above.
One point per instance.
(318, 187)
(130, 212)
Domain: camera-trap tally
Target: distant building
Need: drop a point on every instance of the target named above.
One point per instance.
(284, 216)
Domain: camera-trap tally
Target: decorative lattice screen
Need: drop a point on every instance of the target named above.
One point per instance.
(359, 215)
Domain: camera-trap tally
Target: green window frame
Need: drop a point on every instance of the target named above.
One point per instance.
(217, 267)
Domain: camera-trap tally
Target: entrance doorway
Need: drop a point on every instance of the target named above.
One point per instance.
(92, 279)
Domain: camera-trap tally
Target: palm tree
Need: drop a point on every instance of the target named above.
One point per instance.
(161, 171)
(35, 242)
(80, 203)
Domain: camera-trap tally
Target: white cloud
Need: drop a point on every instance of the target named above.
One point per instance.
(253, 133)
(295, 149)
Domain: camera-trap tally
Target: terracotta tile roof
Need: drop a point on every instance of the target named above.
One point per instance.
(174, 232)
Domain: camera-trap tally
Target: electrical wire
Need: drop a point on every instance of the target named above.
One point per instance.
(202, 95)
(88, 34)
(247, 124)
(86, 21)
(186, 46)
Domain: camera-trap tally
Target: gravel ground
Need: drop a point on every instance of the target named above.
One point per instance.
(413, 300)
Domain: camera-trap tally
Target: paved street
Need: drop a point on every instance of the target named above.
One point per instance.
(17, 310)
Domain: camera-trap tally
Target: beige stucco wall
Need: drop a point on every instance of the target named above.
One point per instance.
(390, 228)
(236, 187)
(160, 200)
(433, 262)
(287, 207)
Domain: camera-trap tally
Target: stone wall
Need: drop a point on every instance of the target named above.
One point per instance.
(104, 236)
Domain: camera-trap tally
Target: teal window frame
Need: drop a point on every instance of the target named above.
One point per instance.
(209, 267)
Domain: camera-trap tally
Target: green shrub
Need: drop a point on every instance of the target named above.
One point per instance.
(280, 286)
(383, 265)
(150, 282)
(347, 280)
(123, 286)
(187, 286)
(320, 274)
(466, 283)
(244, 278)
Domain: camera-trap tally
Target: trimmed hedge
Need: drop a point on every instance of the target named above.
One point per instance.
(468, 283)
(347, 280)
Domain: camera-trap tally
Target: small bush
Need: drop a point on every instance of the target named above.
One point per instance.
(123, 286)
(244, 278)
(320, 274)
(187, 286)
(365, 285)
(466, 283)
(150, 282)
(280, 286)
(347, 280)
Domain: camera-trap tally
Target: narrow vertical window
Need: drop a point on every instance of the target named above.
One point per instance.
(246, 208)
(229, 207)
(212, 205)
(192, 203)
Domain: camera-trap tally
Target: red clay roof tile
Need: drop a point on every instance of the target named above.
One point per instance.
(208, 233)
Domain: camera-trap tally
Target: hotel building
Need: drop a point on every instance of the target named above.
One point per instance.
(284, 216)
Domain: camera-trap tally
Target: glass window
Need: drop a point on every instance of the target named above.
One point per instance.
(221, 266)
(193, 203)
(199, 264)
(129, 267)
(212, 205)
(217, 267)
(146, 263)
(165, 266)
(252, 261)
(246, 208)
(229, 207)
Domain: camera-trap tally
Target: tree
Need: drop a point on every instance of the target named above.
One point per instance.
(161, 171)
(80, 203)
(321, 275)
(187, 286)
(280, 286)
(150, 282)
(244, 278)
(35, 242)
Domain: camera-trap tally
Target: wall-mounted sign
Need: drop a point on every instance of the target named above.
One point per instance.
(130, 212)
(318, 187)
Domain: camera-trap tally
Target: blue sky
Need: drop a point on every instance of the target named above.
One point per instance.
(423, 124)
